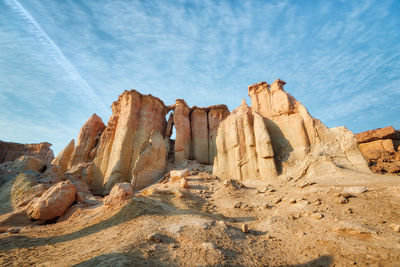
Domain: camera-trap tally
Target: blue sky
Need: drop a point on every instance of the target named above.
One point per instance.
(61, 61)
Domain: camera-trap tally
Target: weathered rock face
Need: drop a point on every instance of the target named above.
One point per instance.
(216, 114)
(11, 151)
(183, 135)
(9, 170)
(244, 147)
(297, 139)
(134, 117)
(150, 163)
(170, 124)
(199, 130)
(53, 203)
(63, 158)
(87, 140)
(379, 149)
(376, 134)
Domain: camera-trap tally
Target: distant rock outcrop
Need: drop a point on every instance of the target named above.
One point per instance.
(63, 158)
(298, 140)
(11, 151)
(381, 147)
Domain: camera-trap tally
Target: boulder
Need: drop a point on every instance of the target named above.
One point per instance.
(216, 114)
(199, 130)
(25, 188)
(88, 139)
(151, 162)
(9, 170)
(119, 194)
(177, 175)
(133, 119)
(11, 151)
(368, 149)
(376, 134)
(64, 156)
(53, 203)
(183, 134)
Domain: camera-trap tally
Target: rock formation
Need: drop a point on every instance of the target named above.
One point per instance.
(183, 135)
(379, 147)
(63, 158)
(199, 130)
(297, 139)
(87, 140)
(216, 114)
(11, 151)
(135, 117)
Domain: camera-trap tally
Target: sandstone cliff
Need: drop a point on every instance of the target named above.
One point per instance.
(11, 151)
(298, 140)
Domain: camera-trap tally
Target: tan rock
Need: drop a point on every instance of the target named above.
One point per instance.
(11, 151)
(151, 162)
(25, 188)
(170, 125)
(183, 135)
(53, 203)
(88, 138)
(184, 184)
(199, 131)
(238, 156)
(119, 194)
(377, 134)
(134, 117)
(9, 170)
(64, 156)
(177, 175)
(378, 145)
(216, 114)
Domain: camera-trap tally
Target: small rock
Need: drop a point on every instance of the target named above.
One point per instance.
(292, 200)
(14, 230)
(245, 228)
(184, 183)
(395, 227)
(355, 190)
(343, 200)
(305, 184)
(222, 224)
(317, 215)
(209, 246)
(155, 237)
(278, 200)
(238, 205)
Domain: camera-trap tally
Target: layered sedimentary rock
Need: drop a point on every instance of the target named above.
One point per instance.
(183, 135)
(63, 158)
(170, 125)
(134, 118)
(88, 138)
(297, 139)
(380, 147)
(199, 130)
(216, 115)
(244, 147)
(11, 151)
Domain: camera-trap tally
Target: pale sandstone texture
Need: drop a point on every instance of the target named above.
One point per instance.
(199, 130)
(183, 135)
(53, 203)
(11, 151)
(88, 138)
(151, 162)
(297, 139)
(119, 194)
(177, 175)
(9, 170)
(215, 115)
(134, 118)
(63, 158)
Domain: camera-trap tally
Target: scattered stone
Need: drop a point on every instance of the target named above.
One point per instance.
(177, 175)
(305, 184)
(222, 224)
(355, 190)
(278, 200)
(14, 230)
(343, 200)
(234, 184)
(245, 228)
(317, 215)
(184, 184)
(119, 194)
(155, 237)
(292, 200)
(238, 205)
(209, 246)
(395, 227)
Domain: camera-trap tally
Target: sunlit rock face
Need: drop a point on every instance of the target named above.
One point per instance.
(11, 151)
(88, 138)
(134, 118)
(183, 134)
(277, 120)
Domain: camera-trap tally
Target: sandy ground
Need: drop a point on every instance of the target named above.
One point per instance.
(323, 221)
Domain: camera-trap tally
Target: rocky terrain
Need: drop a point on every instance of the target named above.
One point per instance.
(265, 184)
(11, 151)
